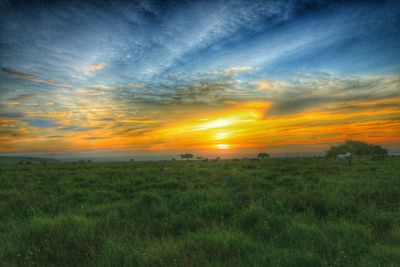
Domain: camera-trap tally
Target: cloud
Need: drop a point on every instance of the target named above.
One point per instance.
(78, 129)
(93, 138)
(53, 83)
(12, 114)
(209, 88)
(206, 93)
(330, 92)
(138, 85)
(19, 74)
(142, 120)
(214, 92)
(234, 70)
(54, 136)
(32, 77)
(225, 73)
(106, 119)
(19, 99)
(89, 70)
(41, 123)
(263, 85)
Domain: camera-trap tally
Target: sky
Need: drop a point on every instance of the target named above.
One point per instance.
(227, 78)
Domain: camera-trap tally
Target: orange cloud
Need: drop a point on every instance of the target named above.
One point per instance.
(94, 67)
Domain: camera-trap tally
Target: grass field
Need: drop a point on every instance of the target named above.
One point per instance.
(277, 212)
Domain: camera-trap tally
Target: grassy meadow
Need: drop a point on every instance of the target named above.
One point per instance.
(274, 212)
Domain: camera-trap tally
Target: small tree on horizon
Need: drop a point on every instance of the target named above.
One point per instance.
(377, 150)
(352, 148)
(186, 156)
(263, 155)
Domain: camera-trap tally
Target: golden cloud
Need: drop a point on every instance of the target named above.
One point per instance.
(94, 67)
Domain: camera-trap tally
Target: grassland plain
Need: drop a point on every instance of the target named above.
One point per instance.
(276, 212)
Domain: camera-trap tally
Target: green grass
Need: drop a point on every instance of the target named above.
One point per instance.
(277, 212)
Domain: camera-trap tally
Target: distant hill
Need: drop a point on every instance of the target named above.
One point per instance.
(25, 160)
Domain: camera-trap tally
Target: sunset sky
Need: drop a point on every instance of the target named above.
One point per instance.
(227, 78)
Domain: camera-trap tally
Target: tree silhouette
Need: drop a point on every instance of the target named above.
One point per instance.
(263, 155)
(352, 148)
(378, 151)
(186, 156)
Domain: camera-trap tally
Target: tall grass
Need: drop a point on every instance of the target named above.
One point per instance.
(276, 212)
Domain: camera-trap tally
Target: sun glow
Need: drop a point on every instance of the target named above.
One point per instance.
(216, 123)
(222, 146)
(221, 135)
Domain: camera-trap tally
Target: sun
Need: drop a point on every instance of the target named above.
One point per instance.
(222, 146)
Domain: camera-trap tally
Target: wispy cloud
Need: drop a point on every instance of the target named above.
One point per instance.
(43, 123)
(93, 138)
(78, 128)
(32, 77)
(89, 70)
(11, 114)
(328, 91)
(19, 99)
(19, 74)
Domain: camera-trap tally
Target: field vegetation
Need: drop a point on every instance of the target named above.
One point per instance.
(269, 212)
